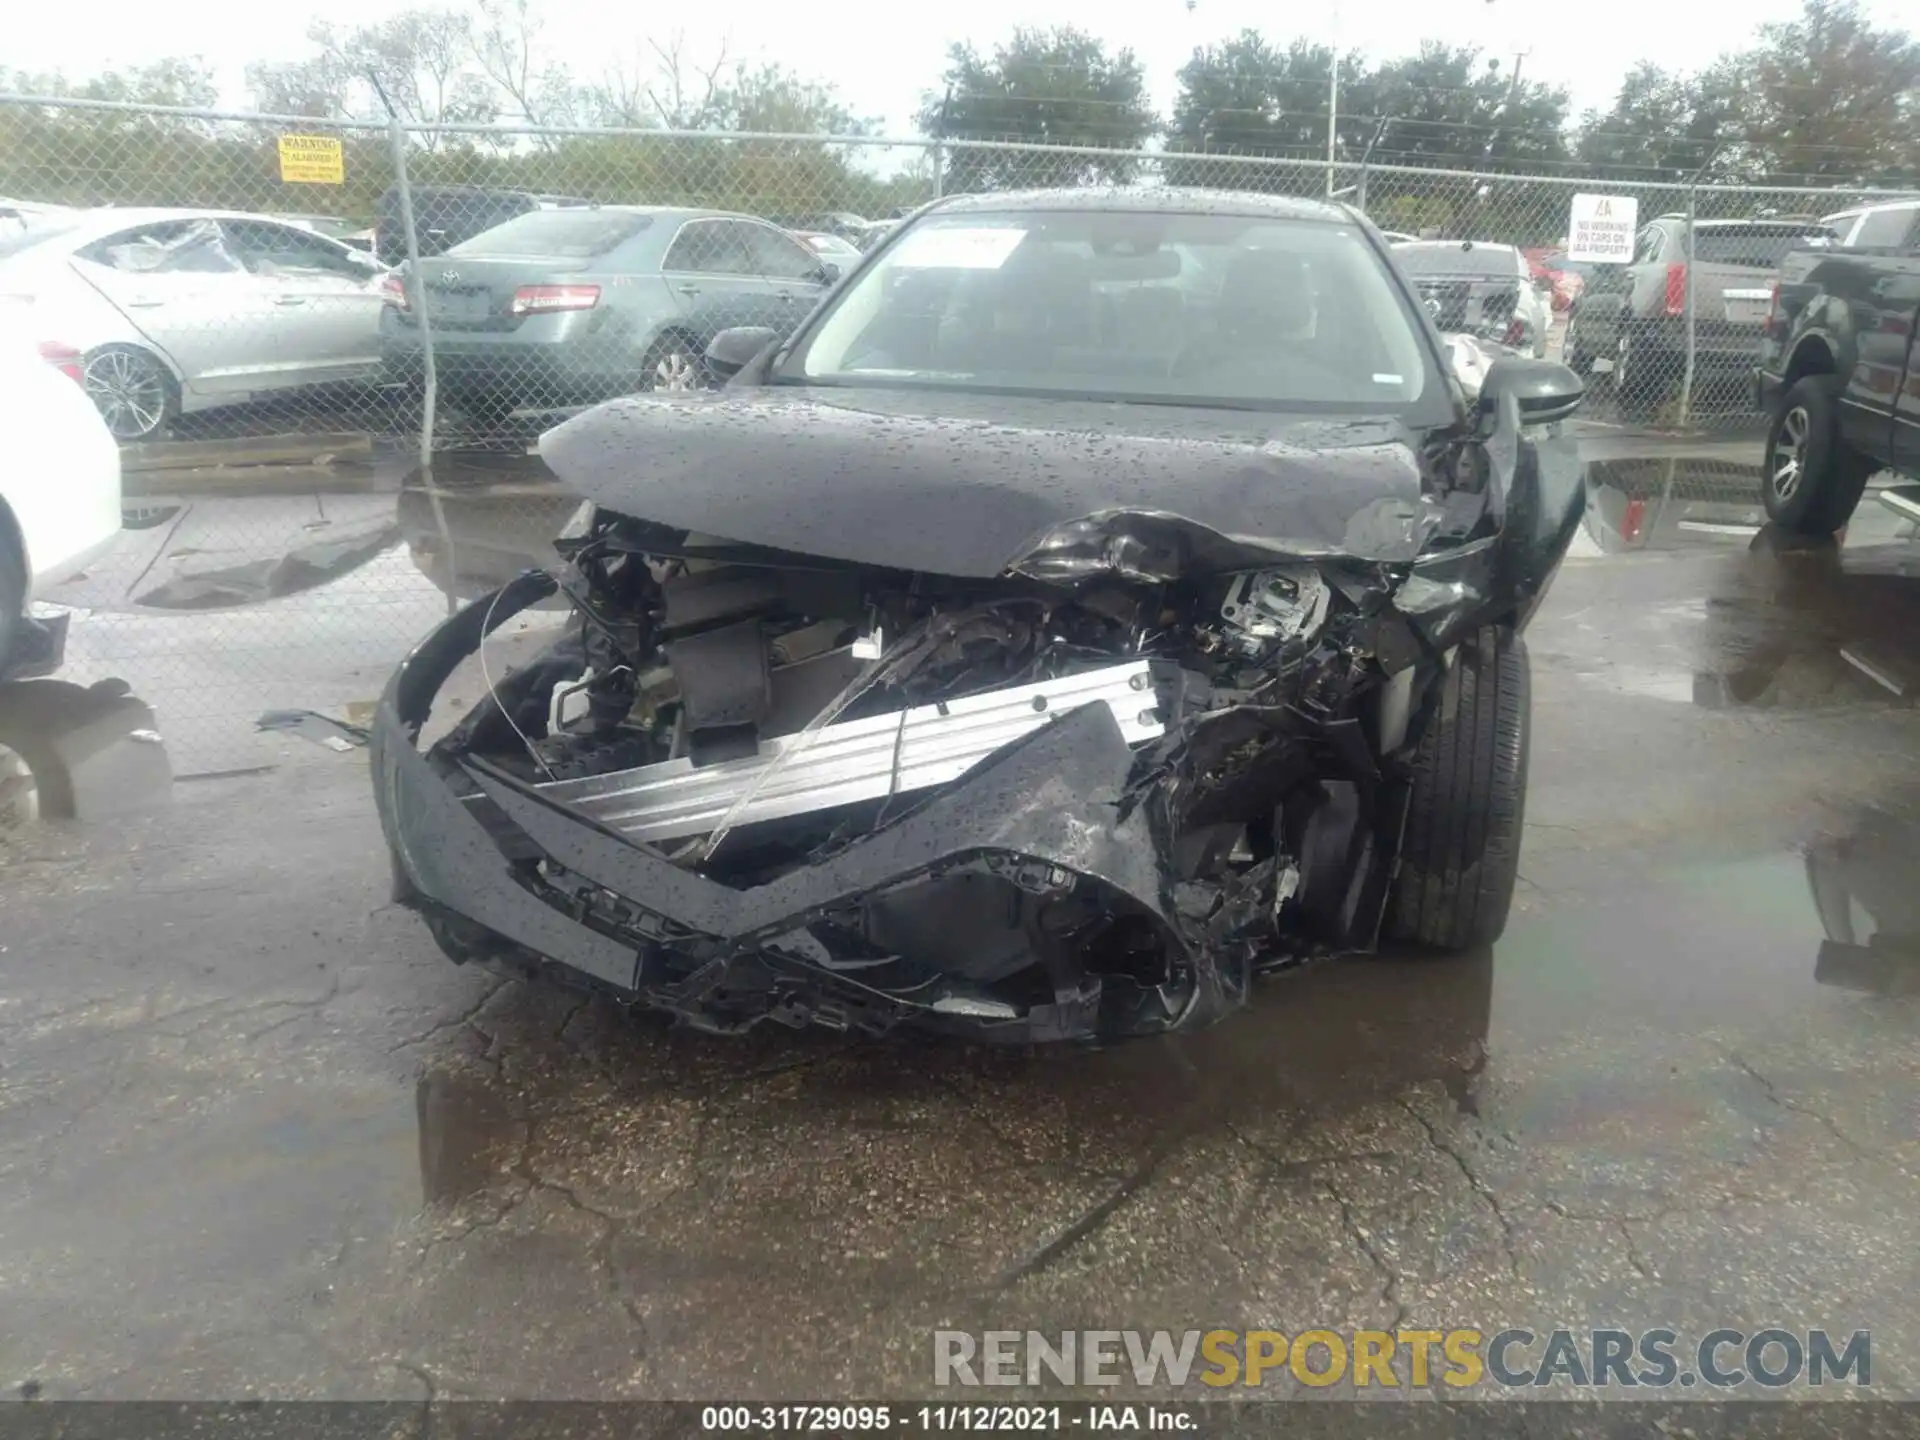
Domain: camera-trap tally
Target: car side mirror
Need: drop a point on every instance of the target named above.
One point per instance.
(731, 351)
(825, 273)
(1544, 389)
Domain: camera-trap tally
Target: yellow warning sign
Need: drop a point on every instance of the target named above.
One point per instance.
(312, 160)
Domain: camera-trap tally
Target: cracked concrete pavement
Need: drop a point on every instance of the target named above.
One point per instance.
(258, 1138)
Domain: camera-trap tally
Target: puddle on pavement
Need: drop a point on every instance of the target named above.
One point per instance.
(1766, 618)
(317, 556)
(1698, 502)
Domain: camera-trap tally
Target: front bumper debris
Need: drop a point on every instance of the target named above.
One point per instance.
(1048, 812)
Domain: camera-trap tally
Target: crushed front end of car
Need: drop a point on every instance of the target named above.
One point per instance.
(1083, 789)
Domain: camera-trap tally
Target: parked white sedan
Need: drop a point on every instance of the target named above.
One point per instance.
(185, 310)
(59, 487)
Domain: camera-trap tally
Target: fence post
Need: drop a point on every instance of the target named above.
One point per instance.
(940, 146)
(1686, 374)
(417, 295)
(429, 379)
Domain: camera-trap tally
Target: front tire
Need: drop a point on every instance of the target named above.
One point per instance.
(1460, 855)
(13, 590)
(134, 393)
(1812, 478)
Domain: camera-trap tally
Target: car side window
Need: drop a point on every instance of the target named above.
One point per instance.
(779, 256)
(1648, 248)
(169, 247)
(286, 250)
(708, 247)
(1889, 228)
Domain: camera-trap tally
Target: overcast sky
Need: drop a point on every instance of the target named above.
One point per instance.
(882, 53)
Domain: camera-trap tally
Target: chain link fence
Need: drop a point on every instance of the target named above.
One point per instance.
(326, 346)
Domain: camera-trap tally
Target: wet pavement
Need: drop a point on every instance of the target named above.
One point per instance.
(258, 1137)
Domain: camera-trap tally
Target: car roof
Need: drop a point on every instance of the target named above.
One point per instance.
(106, 219)
(1454, 245)
(657, 212)
(1854, 212)
(1158, 200)
(1754, 222)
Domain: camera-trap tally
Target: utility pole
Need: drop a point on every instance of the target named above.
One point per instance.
(1506, 106)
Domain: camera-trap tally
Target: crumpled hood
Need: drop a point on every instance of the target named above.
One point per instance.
(973, 485)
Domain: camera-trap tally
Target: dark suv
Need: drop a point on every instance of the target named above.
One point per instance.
(1631, 320)
(444, 215)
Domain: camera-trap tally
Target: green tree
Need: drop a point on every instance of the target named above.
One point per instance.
(1453, 106)
(1053, 87)
(1662, 126)
(1247, 96)
(1829, 96)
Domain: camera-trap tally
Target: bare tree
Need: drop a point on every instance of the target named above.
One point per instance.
(661, 85)
(421, 61)
(320, 86)
(507, 48)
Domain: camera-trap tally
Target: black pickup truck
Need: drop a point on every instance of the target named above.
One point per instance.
(1839, 380)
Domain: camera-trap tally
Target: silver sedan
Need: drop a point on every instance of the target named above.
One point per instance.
(185, 310)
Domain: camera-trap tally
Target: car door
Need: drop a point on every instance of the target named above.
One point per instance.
(795, 275)
(326, 311)
(180, 285)
(713, 279)
(1901, 313)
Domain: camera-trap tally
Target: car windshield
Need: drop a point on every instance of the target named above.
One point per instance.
(1245, 311)
(1433, 260)
(567, 234)
(1760, 247)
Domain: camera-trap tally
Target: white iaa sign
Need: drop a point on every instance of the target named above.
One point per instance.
(1601, 228)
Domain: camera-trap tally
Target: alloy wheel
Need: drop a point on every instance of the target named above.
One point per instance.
(1789, 459)
(677, 370)
(129, 391)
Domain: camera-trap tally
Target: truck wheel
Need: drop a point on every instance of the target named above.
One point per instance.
(1641, 378)
(1578, 360)
(1461, 852)
(1813, 478)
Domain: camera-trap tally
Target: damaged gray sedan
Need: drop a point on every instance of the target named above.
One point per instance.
(1100, 598)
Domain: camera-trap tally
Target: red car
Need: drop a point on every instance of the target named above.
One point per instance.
(1565, 276)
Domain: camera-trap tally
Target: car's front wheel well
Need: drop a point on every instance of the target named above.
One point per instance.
(1813, 356)
(12, 542)
(668, 336)
(13, 557)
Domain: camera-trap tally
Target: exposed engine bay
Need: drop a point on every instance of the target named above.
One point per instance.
(747, 718)
(1022, 725)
